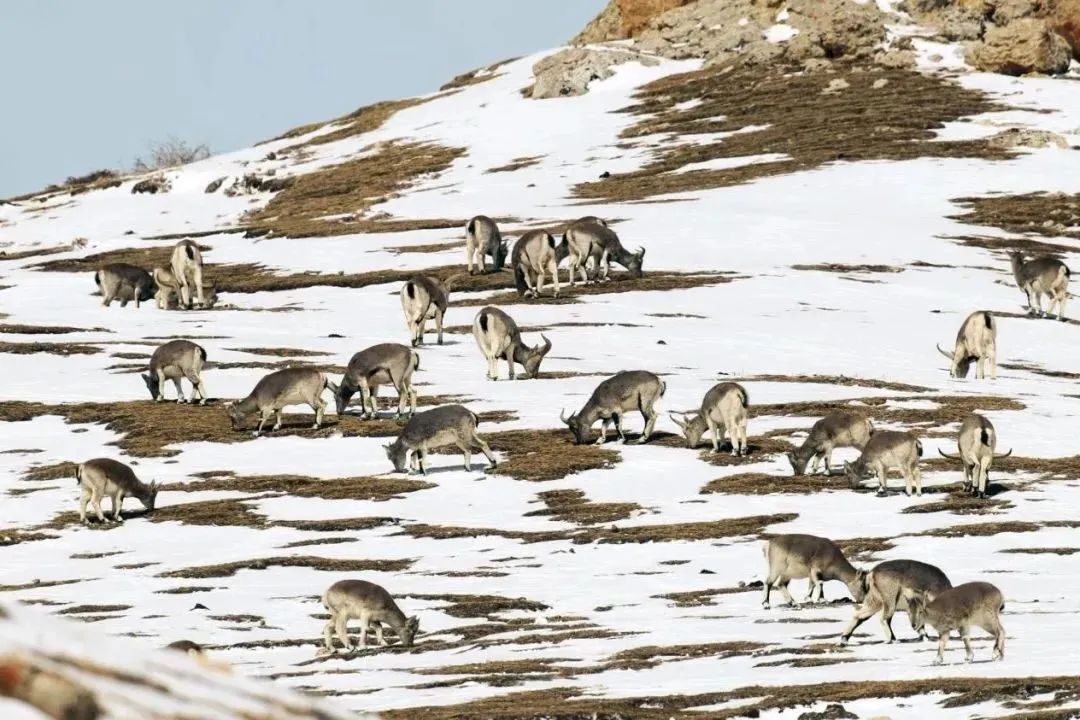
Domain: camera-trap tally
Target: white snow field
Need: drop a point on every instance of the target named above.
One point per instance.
(528, 612)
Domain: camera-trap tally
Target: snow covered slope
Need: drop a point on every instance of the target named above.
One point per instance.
(618, 589)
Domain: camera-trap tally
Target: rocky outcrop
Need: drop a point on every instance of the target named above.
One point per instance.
(1021, 47)
(570, 71)
(622, 19)
(1064, 19)
(757, 32)
(1024, 137)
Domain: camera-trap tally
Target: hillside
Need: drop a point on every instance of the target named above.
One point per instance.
(813, 224)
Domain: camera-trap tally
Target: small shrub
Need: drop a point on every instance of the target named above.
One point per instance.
(170, 153)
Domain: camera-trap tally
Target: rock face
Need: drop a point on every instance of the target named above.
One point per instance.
(570, 71)
(622, 19)
(760, 31)
(1065, 21)
(1021, 47)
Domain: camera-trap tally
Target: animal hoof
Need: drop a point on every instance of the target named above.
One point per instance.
(315, 426)
(255, 433)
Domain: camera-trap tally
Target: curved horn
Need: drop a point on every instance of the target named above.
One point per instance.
(948, 456)
(948, 355)
(547, 344)
(1003, 455)
(562, 416)
(680, 423)
(640, 252)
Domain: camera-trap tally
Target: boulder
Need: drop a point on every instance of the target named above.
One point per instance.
(570, 71)
(1023, 46)
(621, 19)
(1023, 137)
(1065, 21)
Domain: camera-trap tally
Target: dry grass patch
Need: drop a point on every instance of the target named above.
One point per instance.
(348, 190)
(337, 525)
(278, 352)
(949, 408)
(864, 549)
(642, 658)
(348, 488)
(365, 119)
(147, 428)
(474, 77)
(541, 455)
(570, 505)
(231, 512)
(701, 598)
(46, 329)
(306, 561)
(1042, 551)
(426, 248)
(849, 269)
(1005, 245)
(517, 164)
(897, 122)
(82, 609)
(53, 471)
(841, 380)
(1041, 213)
(765, 484)
(64, 349)
(572, 704)
(960, 503)
(712, 530)
(654, 281)
(482, 606)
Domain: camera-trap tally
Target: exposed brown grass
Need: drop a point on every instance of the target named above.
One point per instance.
(655, 281)
(897, 122)
(540, 455)
(1042, 550)
(842, 380)
(64, 349)
(365, 119)
(1006, 245)
(46, 329)
(849, 269)
(307, 561)
(960, 503)
(517, 164)
(147, 428)
(33, 252)
(279, 352)
(348, 488)
(641, 658)
(573, 704)
(571, 505)
(482, 606)
(765, 484)
(76, 185)
(950, 408)
(732, 527)
(1041, 213)
(474, 77)
(53, 471)
(699, 598)
(984, 529)
(81, 609)
(427, 248)
(349, 190)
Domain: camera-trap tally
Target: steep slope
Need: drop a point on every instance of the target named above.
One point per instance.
(811, 235)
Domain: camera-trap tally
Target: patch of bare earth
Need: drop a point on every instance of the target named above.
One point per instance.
(571, 505)
(304, 561)
(782, 113)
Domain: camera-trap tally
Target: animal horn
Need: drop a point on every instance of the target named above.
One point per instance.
(562, 416)
(547, 344)
(680, 423)
(1003, 455)
(948, 355)
(640, 252)
(947, 455)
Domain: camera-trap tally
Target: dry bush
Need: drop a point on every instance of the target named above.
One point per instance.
(168, 153)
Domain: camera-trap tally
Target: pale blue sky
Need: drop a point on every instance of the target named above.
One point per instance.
(89, 85)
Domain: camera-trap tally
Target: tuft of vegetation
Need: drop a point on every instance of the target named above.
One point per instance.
(571, 505)
(169, 153)
(305, 561)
